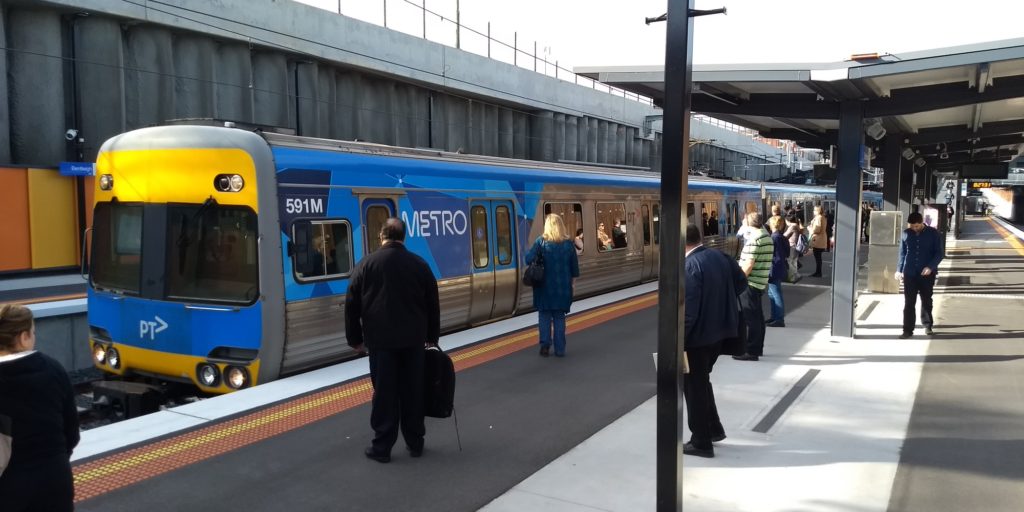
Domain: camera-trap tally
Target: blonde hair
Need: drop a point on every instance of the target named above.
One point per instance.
(554, 228)
(14, 320)
(776, 224)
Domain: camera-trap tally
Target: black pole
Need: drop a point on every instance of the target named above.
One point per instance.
(675, 156)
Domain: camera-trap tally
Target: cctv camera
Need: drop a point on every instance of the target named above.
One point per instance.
(70, 134)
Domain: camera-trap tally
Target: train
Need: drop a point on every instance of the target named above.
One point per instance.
(1006, 202)
(220, 256)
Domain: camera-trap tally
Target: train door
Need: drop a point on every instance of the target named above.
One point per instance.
(493, 254)
(375, 212)
(649, 269)
(655, 238)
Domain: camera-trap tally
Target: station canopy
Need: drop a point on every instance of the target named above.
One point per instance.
(948, 106)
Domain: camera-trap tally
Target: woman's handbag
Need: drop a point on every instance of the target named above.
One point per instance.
(534, 274)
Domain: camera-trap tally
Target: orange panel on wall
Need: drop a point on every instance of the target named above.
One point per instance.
(53, 217)
(14, 228)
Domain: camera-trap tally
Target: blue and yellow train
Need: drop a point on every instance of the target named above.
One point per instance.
(220, 256)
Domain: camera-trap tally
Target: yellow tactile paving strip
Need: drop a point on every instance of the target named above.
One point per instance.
(122, 469)
(1009, 237)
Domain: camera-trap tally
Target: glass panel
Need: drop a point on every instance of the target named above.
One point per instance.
(503, 225)
(322, 249)
(656, 217)
(375, 217)
(646, 214)
(211, 253)
(611, 228)
(478, 222)
(572, 216)
(117, 247)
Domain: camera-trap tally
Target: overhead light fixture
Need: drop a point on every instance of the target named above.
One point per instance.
(908, 153)
(919, 162)
(874, 129)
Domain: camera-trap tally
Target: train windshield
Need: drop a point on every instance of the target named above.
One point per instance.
(204, 252)
(211, 253)
(117, 247)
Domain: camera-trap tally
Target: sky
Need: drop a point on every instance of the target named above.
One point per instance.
(613, 32)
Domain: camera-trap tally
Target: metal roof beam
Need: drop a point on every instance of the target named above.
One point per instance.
(771, 105)
(911, 100)
(954, 133)
(967, 145)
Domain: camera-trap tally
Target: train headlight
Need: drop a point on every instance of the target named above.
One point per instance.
(228, 183)
(113, 358)
(99, 353)
(236, 183)
(236, 377)
(208, 375)
(106, 182)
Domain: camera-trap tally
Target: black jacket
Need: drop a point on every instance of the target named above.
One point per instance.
(392, 301)
(713, 281)
(35, 392)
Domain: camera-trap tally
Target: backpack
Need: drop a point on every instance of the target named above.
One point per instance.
(801, 244)
(438, 383)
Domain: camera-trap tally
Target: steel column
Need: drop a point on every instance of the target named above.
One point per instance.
(906, 187)
(678, 73)
(891, 181)
(848, 194)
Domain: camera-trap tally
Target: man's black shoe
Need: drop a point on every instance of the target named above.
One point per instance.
(776, 324)
(545, 350)
(815, 275)
(690, 449)
(718, 439)
(906, 335)
(929, 331)
(746, 357)
(371, 454)
(414, 453)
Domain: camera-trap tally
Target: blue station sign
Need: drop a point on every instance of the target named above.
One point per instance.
(77, 169)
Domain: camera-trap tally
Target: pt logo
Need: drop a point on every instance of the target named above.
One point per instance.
(149, 328)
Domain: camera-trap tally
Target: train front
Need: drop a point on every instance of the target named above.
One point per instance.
(175, 289)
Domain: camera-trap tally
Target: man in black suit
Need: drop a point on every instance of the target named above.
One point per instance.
(713, 282)
(392, 308)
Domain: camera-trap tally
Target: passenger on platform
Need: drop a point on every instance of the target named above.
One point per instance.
(713, 223)
(797, 238)
(713, 281)
(743, 234)
(920, 254)
(619, 234)
(819, 238)
(604, 242)
(553, 299)
(776, 213)
(779, 272)
(756, 263)
(578, 241)
(38, 417)
(830, 227)
(393, 311)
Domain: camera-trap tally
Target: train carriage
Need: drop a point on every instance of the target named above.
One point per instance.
(221, 256)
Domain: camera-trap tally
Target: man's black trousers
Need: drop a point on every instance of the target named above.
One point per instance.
(912, 287)
(701, 411)
(397, 376)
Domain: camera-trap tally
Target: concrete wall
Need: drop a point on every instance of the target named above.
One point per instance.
(279, 63)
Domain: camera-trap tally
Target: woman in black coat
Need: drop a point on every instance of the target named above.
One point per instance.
(37, 401)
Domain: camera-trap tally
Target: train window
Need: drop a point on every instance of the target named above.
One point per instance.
(478, 223)
(572, 216)
(656, 220)
(646, 216)
(117, 247)
(322, 249)
(375, 217)
(611, 226)
(691, 214)
(709, 214)
(503, 230)
(212, 253)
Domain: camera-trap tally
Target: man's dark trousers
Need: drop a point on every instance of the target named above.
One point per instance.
(701, 410)
(750, 303)
(397, 376)
(912, 287)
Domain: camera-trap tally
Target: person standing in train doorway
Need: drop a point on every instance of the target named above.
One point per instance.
(920, 254)
(713, 281)
(553, 299)
(819, 238)
(392, 310)
(39, 418)
(756, 263)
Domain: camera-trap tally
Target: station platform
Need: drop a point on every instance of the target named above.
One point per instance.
(868, 423)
